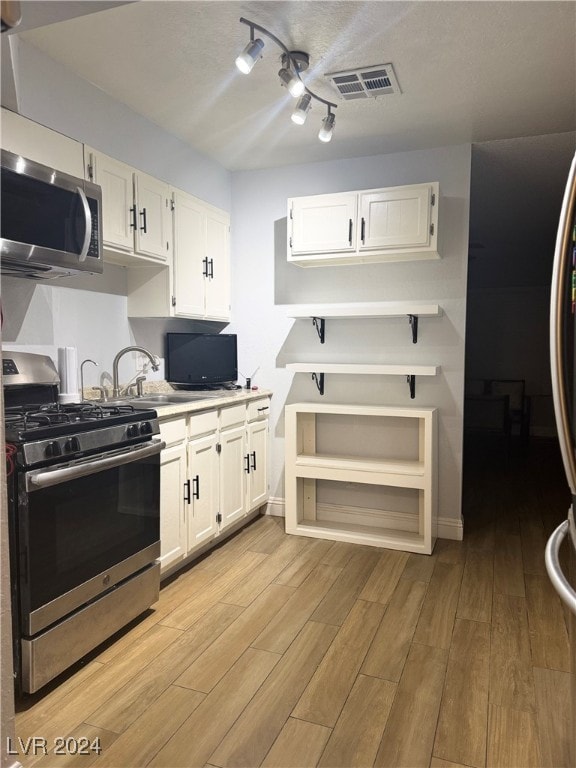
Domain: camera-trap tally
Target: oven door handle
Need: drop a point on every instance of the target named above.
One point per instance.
(49, 477)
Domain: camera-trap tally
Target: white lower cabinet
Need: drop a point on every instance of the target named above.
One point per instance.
(202, 489)
(214, 472)
(173, 475)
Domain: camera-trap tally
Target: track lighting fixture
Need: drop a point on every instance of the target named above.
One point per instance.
(246, 60)
(301, 109)
(293, 64)
(328, 123)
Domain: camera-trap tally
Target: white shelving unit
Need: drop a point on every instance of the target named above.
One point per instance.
(319, 313)
(305, 466)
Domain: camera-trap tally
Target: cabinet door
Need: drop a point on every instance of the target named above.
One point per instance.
(203, 475)
(323, 224)
(118, 211)
(172, 512)
(258, 463)
(189, 256)
(398, 217)
(233, 458)
(152, 217)
(217, 282)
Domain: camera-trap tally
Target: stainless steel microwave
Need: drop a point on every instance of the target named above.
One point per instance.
(51, 222)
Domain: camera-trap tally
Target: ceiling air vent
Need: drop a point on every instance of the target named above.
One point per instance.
(365, 82)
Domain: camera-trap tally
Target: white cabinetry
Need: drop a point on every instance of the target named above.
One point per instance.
(203, 482)
(43, 145)
(320, 448)
(197, 283)
(391, 224)
(173, 483)
(136, 211)
(214, 473)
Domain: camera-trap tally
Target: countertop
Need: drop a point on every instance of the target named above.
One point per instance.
(210, 403)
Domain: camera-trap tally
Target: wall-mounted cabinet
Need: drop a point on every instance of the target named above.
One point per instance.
(391, 224)
(197, 281)
(136, 211)
(43, 145)
(407, 461)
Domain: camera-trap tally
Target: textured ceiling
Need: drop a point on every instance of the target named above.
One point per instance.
(469, 72)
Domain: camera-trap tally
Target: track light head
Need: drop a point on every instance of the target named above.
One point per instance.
(301, 109)
(249, 56)
(327, 129)
(292, 82)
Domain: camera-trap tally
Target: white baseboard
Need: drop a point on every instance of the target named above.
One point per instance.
(448, 528)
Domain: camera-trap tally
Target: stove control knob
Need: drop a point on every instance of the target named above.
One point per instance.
(53, 449)
(132, 430)
(145, 428)
(72, 445)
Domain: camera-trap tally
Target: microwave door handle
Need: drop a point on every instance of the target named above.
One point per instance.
(48, 478)
(87, 222)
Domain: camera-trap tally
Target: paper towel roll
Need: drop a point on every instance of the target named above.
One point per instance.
(68, 370)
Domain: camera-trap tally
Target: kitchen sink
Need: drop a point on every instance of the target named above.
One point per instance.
(177, 398)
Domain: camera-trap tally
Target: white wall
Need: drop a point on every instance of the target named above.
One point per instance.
(265, 285)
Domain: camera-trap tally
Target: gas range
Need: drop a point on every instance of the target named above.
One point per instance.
(83, 518)
(47, 433)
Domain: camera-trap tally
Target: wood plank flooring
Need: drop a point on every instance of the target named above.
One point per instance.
(289, 652)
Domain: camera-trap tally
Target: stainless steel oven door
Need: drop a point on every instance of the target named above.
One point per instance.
(83, 528)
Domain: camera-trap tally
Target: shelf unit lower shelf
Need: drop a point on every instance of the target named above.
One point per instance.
(305, 466)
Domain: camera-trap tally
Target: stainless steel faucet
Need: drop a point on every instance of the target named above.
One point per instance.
(153, 360)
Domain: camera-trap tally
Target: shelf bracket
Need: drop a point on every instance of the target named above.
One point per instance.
(413, 320)
(320, 324)
(318, 378)
(412, 384)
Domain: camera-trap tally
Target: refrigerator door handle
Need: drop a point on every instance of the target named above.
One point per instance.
(559, 581)
(558, 313)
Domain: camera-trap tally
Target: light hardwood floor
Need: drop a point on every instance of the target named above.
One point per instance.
(285, 651)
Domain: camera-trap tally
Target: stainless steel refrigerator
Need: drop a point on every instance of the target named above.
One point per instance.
(563, 365)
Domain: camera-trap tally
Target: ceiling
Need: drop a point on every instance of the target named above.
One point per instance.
(469, 71)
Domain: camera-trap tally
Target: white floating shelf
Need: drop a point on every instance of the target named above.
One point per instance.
(364, 310)
(356, 368)
(319, 313)
(319, 369)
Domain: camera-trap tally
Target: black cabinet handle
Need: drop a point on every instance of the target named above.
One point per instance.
(205, 266)
(350, 231)
(211, 262)
(187, 491)
(247, 464)
(133, 223)
(143, 214)
(196, 487)
(362, 231)
(253, 454)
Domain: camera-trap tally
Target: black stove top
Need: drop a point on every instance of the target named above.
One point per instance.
(38, 421)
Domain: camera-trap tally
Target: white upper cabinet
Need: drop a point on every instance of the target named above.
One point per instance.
(197, 283)
(43, 145)
(392, 224)
(136, 211)
(323, 224)
(153, 216)
(396, 218)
